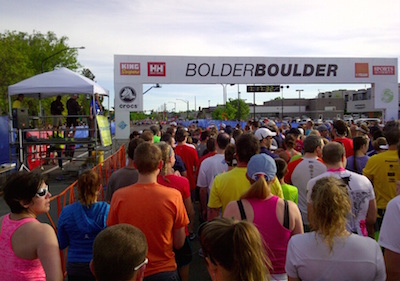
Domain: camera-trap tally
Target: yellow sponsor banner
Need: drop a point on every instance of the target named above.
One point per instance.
(104, 128)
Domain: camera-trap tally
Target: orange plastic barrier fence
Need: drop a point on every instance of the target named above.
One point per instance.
(66, 197)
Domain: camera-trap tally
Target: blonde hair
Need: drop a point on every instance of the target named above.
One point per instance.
(88, 187)
(166, 153)
(237, 246)
(331, 207)
(259, 189)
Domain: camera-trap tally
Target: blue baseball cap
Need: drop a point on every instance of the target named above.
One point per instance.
(261, 165)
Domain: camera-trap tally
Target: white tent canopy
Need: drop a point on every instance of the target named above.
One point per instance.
(59, 81)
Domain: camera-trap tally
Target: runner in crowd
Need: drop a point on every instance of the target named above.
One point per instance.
(383, 170)
(276, 219)
(156, 210)
(233, 250)
(340, 133)
(289, 152)
(205, 135)
(28, 249)
(265, 137)
(78, 225)
(290, 192)
(119, 253)
(189, 157)
(378, 146)
(179, 167)
(231, 185)
(331, 250)
(357, 162)
(209, 169)
(300, 171)
(229, 156)
(389, 235)
(124, 176)
(168, 178)
(362, 196)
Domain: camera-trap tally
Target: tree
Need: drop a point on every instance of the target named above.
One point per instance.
(231, 110)
(22, 56)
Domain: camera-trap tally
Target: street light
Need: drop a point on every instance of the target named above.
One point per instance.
(187, 103)
(174, 105)
(154, 86)
(225, 94)
(282, 87)
(299, 100)
(60, 51)
(238, 104)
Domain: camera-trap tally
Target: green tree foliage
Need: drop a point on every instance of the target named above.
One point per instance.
(23, 55)
(138, 116)
(231, 110)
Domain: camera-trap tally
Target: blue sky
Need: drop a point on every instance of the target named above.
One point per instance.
(285, 28)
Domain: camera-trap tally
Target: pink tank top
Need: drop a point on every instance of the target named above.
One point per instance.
(276, 236)
(12, 267)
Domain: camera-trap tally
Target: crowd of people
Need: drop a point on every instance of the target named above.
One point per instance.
(276, 203)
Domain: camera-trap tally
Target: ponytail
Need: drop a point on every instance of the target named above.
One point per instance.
(259, 189)
(237, 246)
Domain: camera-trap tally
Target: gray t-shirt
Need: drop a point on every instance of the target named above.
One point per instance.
(121, 178)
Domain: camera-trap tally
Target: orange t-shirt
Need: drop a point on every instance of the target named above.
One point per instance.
(156, 210)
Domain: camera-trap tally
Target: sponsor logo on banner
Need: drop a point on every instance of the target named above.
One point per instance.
(156, 68)
(361, 70)
(122, 125)
(383, 70)
(130, 68)
(127, 94)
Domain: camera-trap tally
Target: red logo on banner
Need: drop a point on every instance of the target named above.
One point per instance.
(383, 69)
(129, 68)
(361, 70)
(156, 68)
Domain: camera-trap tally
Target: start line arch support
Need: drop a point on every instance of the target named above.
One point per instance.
(131, 72)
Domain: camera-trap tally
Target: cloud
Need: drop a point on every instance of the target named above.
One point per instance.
(210, 28)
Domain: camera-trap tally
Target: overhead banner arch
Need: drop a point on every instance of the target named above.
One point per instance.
(131, 72)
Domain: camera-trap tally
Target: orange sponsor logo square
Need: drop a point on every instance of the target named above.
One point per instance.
(361, 70)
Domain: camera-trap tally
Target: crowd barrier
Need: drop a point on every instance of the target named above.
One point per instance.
(68, 196)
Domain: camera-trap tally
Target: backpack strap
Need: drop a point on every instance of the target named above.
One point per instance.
(241, 209)
(286, 215)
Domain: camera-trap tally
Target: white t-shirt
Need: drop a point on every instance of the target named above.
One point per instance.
(209, 168)
(389, 236)
(307, 169)
(353, 258)
(361, 192)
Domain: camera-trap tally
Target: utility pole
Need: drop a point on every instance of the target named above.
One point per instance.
(299, 101)
(282, 87)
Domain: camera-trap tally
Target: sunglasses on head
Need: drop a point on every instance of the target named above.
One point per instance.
(42, 192)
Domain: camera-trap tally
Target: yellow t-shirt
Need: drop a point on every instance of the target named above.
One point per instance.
(383, 171)
(17, 104)
(276, 188)
(228, 187)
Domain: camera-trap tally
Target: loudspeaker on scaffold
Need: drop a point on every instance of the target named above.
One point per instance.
(20, 118)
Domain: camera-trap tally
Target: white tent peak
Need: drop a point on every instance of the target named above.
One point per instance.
(56, 82)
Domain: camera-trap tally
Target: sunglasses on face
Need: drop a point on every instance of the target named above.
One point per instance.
(42, 192)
